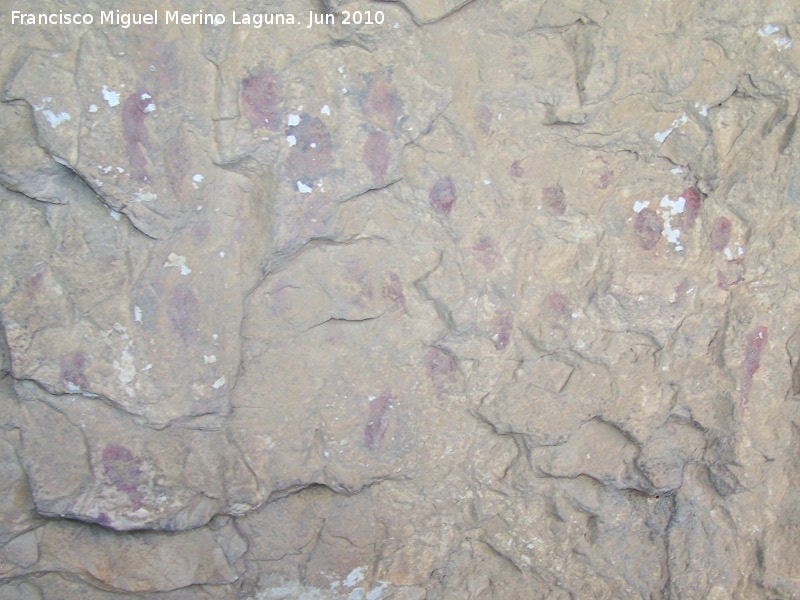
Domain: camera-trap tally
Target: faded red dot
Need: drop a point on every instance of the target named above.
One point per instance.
(378, 420)
(73, 368)
(443, 195)
(376, 154)
(720, 234)
(393, 290)
(605, 179)
(486, 252)
(484, 119)
(648, 228)
(554, 200)
(556, 305)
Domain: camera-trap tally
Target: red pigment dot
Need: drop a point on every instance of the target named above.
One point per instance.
(648, 228)
(261, 93)
(376, 154)
(692, 206)
(443, 195)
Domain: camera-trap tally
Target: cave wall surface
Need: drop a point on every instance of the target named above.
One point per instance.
(474, 299)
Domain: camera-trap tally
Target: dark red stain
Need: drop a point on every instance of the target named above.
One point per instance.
(184, 312)
(121, 467)
(261, 98)
(648, 228)
(442, 195)
(393, 290)
(306, 162)
(755, 344)
(200, 232)
(720, 234)
(554, 200)
(73, 369)
(691, 208)
(516, 169)
(378, 420)
(382, 105)
(501, 329)
(123, 470)
(135, 133)
(376, 154)
(441, 366)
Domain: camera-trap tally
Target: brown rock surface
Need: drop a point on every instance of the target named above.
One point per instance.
(433, 300)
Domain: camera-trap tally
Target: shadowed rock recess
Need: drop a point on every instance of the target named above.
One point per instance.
(445, 300)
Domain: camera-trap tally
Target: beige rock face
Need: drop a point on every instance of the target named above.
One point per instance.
(426, 300)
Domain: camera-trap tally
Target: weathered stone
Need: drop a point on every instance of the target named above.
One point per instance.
(428, 300)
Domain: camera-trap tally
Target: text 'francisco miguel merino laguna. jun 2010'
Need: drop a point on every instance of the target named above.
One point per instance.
(174, 17)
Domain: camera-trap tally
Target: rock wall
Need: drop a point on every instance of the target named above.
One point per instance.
(455, 300)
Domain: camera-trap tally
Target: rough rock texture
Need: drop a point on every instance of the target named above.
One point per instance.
(483, 300)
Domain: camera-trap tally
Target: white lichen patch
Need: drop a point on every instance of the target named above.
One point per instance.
(55, 119)
(149, 108)
(219, 383)
(137, 314)
(355, 577)
(110, 96)
(293, 120)
(662, 136)
(768, 30)
(291, 140)
(303, 188)
(675, 206)
(209, 360)
(197, 178)
(93, 108)
(782, 43)
(639, 206)
(114, 214)
(142, 196)
(325, 110)
(126, 368)
(173, 260)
